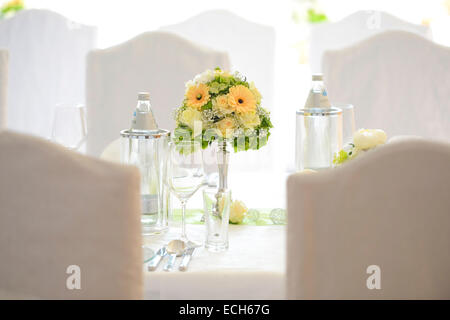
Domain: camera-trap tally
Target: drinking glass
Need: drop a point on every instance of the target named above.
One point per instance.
(216, 203)
(69, 126)
(185, 174)
(348, 122)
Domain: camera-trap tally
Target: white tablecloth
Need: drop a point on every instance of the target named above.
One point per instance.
(252, 268)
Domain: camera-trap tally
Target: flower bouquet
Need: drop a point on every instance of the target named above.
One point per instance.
(224, 108)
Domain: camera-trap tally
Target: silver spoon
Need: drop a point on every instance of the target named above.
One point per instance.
(175, 248)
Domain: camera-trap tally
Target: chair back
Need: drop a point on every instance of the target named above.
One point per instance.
(69, 224)
(4, 63)
(354, 28)
(47, 67)
(397, 81)
(251, 46)
(157, 62)
(382, 219)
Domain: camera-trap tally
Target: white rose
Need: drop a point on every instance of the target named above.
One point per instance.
(365, 139)
(204, 77)
(189, 84)
(237, 211)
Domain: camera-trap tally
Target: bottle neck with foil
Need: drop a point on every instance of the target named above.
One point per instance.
(318, 95)
(143, 117)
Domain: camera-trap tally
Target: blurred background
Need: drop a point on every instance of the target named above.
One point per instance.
(289, 17)
(292, 21)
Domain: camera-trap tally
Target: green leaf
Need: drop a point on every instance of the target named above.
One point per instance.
(316, 17)
(340, 157)
(207, 106)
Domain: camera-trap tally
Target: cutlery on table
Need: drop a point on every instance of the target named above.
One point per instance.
(154, 262)
(175, 248)
(186, 258)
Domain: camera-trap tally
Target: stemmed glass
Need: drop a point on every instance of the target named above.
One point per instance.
(185, 174)
(69, 126)
(348, 122)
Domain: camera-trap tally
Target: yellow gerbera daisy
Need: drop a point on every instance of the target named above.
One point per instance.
(241, 99)
(197, 96)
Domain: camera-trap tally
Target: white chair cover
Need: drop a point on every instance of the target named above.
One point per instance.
(397, 81)
(352, 29)
(251, 46)
(47, 67)
(4, 57)
(59, 208)
(157, 62)
(388, 208)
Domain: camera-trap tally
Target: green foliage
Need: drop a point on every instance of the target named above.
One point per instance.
(207, 106)
(11, 7)
(340, 157)
(316, 17)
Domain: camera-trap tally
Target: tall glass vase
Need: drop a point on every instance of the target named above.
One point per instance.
(223, 160)
(217, 201)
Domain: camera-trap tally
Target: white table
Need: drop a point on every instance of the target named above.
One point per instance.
(252, 268)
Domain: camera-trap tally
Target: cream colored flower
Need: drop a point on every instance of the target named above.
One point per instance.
(220, 72)
(249, 120)
(255, 92)
(365, 139)
(197, 96)
(226, 127)
(204, 77)
(190, 116)
(188, 84)
(356, 152)
(220, 103)
(237, 211)
(241, 99)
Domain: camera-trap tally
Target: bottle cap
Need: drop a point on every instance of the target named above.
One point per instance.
(317, 77)
(144, 96)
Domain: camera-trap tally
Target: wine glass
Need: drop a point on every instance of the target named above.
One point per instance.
(348, 122)
(185, 174)
(69, 126)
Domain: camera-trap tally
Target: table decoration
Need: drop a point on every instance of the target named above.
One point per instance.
(363, 141)
(278, 216)
(254, 217)
(238, 211)
(223, 110)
